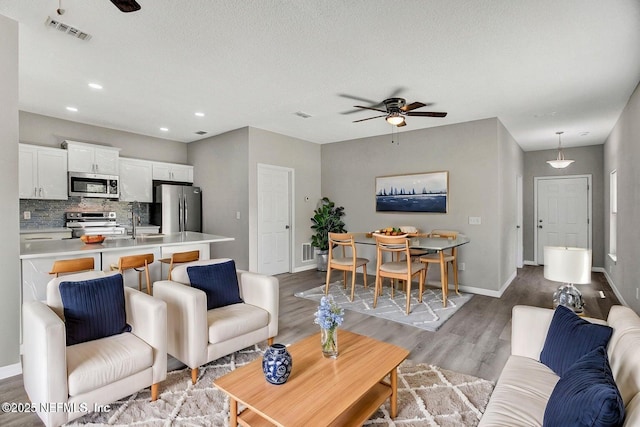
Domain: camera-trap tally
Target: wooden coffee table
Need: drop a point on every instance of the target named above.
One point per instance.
(334, 392)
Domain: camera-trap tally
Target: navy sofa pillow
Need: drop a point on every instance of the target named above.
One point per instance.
(93, 309)
(569, 338)
(218, 281)
(586, 395)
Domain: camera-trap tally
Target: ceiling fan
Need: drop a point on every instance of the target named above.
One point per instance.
(123, 5)
(126, 5)
(396, 109)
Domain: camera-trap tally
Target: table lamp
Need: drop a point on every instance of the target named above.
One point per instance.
(570, 266)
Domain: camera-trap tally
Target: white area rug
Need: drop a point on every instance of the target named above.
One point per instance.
(428, 315)
(427, 396)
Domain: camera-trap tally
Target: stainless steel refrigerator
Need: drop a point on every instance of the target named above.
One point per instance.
(176, 208)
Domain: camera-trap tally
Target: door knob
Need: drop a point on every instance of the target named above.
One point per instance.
(286, 227)
(539, 226)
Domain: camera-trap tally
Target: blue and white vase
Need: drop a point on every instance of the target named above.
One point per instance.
(276, 364)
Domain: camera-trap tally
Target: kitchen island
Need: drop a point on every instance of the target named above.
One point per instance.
(37, 257)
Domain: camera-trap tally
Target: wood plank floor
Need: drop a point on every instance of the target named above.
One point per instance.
(475, 341)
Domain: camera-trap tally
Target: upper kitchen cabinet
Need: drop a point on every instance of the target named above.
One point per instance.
(91, 158)
(172, 172)
(42, 172)
(136, 180)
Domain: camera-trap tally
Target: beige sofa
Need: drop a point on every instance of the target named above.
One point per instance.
(523, 389)
(65, 383)
(196, 336)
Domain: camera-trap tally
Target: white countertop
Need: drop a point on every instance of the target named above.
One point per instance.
(44, 249)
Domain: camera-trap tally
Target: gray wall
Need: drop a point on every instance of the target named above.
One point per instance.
(50, 131)
(511, 163)
(622, 153)
(588, 161)
(10, 246)
(475, 154)
(304, 158)
(221, 170)
(226, 169)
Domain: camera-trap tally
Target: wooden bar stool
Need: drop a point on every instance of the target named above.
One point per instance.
(139, 263)
(72, 266)
(179, 258)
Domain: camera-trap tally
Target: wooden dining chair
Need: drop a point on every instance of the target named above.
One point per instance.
(179, 258)
(138, 263)
(404, 269)
(349, 260)
(444, 259)
(72, 265)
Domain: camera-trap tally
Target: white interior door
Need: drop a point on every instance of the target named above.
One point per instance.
(563, 213)
(274, 224)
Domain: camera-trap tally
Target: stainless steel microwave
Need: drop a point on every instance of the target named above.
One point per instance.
(93, 185)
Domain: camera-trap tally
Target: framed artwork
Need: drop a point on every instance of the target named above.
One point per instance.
(421, 192)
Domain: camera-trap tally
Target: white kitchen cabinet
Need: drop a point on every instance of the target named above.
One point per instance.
(92, 158)
(42, 173)
(172, 172)
(136, 180)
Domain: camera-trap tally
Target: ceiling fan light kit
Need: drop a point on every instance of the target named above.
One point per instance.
(560, 162)
(395, 119)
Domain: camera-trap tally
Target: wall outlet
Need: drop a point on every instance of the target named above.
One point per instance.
(26, 215)
(475, 220)
(461, 266)
(237, 214)
(637, 293)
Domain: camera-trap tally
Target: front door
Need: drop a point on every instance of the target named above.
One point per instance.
(274, 226)
(562, 213)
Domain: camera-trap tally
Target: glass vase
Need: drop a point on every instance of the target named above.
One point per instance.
(329, 342)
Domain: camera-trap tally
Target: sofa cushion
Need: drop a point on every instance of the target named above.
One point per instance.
(218, 281)
(586, 395)
(569, 338)
(94, 364)
(94, 308)
(521, 394)
(235, 320)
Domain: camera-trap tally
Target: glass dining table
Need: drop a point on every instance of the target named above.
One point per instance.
(431, 245)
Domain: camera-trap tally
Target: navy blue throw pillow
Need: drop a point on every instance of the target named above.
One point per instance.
(219, 281)
(569, 338)
(586, 395)
(93, 309)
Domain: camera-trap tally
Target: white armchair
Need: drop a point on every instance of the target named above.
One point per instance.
(83, 376)
(196, 336)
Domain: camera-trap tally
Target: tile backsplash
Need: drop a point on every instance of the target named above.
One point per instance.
(50, 213)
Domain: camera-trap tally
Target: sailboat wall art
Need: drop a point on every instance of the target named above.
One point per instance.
(420, 192)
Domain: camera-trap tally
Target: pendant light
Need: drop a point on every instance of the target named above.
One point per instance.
(560, 162)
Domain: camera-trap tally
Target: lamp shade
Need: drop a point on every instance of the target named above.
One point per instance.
(567, 265)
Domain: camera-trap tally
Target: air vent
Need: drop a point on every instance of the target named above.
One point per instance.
(308, 254)
(201, 132)
(72, 31)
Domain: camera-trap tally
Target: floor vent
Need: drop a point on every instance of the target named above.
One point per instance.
(308, 253)
(72, 31)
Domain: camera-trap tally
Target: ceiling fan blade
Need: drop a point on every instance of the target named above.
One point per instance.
(357, 98)
(370, 108)
(426, 114)
(126, 5)
(413, 106)
(369, 118)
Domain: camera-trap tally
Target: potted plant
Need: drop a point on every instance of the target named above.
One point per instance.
(327, 219)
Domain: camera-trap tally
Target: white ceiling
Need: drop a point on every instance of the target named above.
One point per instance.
(539, 66)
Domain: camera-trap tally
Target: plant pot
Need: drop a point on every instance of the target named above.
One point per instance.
(321, 260)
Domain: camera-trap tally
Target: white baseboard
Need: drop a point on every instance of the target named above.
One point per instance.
(530, 262)
(613, 286)
(10, 371)
(305, 268)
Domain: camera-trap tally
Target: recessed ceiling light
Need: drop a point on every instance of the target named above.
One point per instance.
(164, 129)
(74, 109)
(199, 114)
(95, 86)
